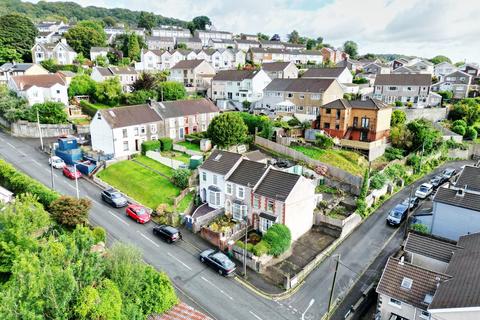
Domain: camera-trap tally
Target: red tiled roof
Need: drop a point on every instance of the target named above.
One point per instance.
(181, 311)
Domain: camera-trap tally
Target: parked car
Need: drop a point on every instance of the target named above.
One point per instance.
(56, 162)
(138, 213)
(437, 181)
(114, 198)
(71, 172)
(414, 201)
(424, 190)
(167, 233)
(449, 173)
(218, 261)
(397, 215)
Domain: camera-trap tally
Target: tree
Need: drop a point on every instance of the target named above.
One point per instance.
(440, 59)
(49, 113)
(182, 46)
(70, 211)
(108, 92)
(146, 81)
(171, 90)
(279, 238)
(351, 48)
(133, 47)
(423, 134)
(275, 37)
(101, 61)
(311, 44)
(81, 85)
(100, 302)
(470, 133)
(319, 40)
(267, 130)
(147, 20)
(180, 178)
(158, 294)
(109, 21)
(254, 122)
(293, 37)
(262, 36)
(399, 117)
(84, 35)
(139, 96)
(446, 95)
(17, 37)
(227, 129)
(200, 22)
(323, 141)
(49, 64)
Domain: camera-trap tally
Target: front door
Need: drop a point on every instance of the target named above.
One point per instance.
(186, 130)
(181, 133)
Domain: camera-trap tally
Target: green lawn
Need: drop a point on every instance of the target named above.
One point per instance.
(175, 155)
(347, 160)
(155, 165)
(189, 145)
(141, 183)
(183, 205)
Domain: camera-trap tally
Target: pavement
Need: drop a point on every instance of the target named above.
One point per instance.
(199, 286)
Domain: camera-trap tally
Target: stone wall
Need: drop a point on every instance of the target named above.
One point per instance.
(432, 114)
(30, 130)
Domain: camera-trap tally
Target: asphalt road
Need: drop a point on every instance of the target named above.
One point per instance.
(219, 297)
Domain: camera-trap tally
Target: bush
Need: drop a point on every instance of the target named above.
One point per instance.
(152, 145)
(261, 248)
(19, 183)
(166, 144)
(471, 133)
(398, 103)
(461, 123)
(459, 129)
(409, 104)
(180, 178)
(195, 137)
(88, 108)
(378, 180)
(99, 234)
(414, 161)
(49, 112)
(139, 97)
(394, 153)
(70, 211)
(421, 228)
(322, 141)
(446, 95)
(278, 238)
(294, 122)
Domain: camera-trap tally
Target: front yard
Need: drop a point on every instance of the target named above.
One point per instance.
(349, 161)
(143, 184)
(189, 145)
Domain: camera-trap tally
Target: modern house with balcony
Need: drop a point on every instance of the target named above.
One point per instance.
(196, 75)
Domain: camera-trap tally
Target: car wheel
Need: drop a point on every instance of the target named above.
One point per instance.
(202, 259)
(220, 272)
(169, 241)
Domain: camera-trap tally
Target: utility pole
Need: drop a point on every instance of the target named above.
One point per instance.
(408, 211)
(76, 180)
(333, 286)
(51, 169)
(421, 158)
(39, 129)
(245, 249)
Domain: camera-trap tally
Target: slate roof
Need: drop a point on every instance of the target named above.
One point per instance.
(25, 82)
(100, 49)
(299, 85)
(185, 40)
(424, 282)
(324, 72)
(255, 155)
(8, 66)
(224, 161)
(245, 41)
(234, 75)
(449, 196)
(248, 173)
(179, 108)
(463, 290)
(369, 103)
(187, 64)
(469, 177)
(162, 39)
(403, 79)
(277, 184)
(129, 116)
(112, 71)
(430, 246)
(274, 66)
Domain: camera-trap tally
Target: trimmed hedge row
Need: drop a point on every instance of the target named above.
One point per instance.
(18, 183)
(167, 144)
(88, 108)
(152, 145)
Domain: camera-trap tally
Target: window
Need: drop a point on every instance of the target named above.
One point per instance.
(302, 96)
(392, 88)
(425, 315)
(154, 137)
(315, 97)
(229, 188)
(328, 111)
(215, 179)
(214, 198)
(153, 128)
(240, 192)
(337, 127)
(326, 125)
(239, 211)
(289, 94)
(204, 176)
(407, 283)
(337, 116)
(395, 303)
(58, 91)
(173, 133)
(125, 133)
(256, 201)
(270, 205)
(143, 129)
(365, 122)
(228, 206)
(172, 122)
(125, 146)
(355, 122)
(265, 224)
(135, 131)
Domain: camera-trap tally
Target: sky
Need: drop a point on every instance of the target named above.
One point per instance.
(413, 27)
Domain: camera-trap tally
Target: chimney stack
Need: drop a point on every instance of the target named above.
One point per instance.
(402, 260)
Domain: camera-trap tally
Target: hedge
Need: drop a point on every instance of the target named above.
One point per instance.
(166, 144)
(88, 108)
(152, 145)
(195, 137)
(279, 238)
(18, 183)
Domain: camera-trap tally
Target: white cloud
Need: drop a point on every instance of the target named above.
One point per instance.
(416, 27)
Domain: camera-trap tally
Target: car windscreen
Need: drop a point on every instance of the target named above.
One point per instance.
(396, 213)
(423, 189)
(116, 195)
(171, 230)
(223, 259)
(141, 211)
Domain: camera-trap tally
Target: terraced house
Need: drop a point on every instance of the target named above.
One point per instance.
(413, 88)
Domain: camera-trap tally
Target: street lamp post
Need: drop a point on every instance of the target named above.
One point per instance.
(39, 129)
(245, 248)
(76, 180)
(51, 169)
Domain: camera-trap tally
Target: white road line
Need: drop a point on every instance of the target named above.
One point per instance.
(118, 218)
(68, 184)
(253, 314)
(223, 292)
(153, 242)
(11, 145)
(172, 256)
(36, 162)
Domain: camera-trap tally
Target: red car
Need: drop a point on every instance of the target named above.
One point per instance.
(71, 173)
(138, 213)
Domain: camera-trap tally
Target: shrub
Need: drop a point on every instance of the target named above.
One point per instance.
(459, 129)
(70, 211)
(261, 248)
(398, 103)
(471, 133)
(421, 228)
(88, 108)
(413, 161)
(409, 104)
(195, 137)
(294, 122)
(278, 238)
(180, 178)
(152, 145)
(139, 97)
(446, 95)
(378, 180)
(166, 144)
(99, 234)
(322, 141)
(461, 123)
(394, 153)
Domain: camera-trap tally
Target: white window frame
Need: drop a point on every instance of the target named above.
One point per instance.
(126, 146)
(154, 137)
(240, 192)
(396, 303)
(153, 128)
(268, 205)
(204, 176)
(239, 211)
(229, 188)
(215, 196)
(257, 202)
(265, 224)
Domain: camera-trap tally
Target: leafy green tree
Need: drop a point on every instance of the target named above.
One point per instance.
(101, 61)
(399, 117)
(171, 90)
(17, 37)
(180, 178)
(351, 48)
(393, 153)
(267, 130)
(439, 59)
(146, 81)
(139, 97)
(49, 113)
(293, 37)
(70, 211)
(99, 303)
(278, 238)
(182, 46)
(81, 85)
(378, 180)
(133, 47)
(275, 37)
(254, 122)
(108, 92)
(227, 129)
(109, 21)
(311, 44)
(446, 95)
(262, 36)
(147, 20)
(84, 35)
(423, 134)
(158, 294)
(50, 65)
(200, 22)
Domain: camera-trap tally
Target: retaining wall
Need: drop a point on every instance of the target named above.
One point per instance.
(175, 164)
(30, 130)
(432, 114)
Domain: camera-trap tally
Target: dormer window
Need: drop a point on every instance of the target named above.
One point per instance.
(407, 283)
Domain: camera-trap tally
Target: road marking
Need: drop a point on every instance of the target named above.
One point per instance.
(36, 162)
(68, 184)
(172, 256)
(154, 243)
(223, 292)
(117, 217)
(11, 145)
(253, 314)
